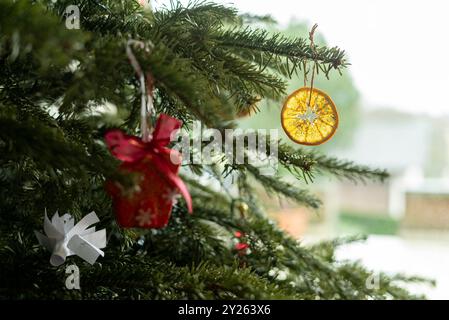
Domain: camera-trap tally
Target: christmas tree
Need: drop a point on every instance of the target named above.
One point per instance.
(66, 82)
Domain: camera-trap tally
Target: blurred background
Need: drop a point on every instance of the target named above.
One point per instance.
(394, 114)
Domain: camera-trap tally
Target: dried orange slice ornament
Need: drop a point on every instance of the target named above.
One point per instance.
(309, 116)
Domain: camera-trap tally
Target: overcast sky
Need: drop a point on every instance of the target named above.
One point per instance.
(398, 49)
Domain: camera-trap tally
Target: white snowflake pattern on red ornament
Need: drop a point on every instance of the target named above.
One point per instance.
(144, 217)
(172, 196)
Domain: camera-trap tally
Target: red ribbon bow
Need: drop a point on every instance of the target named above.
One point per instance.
(138, 154)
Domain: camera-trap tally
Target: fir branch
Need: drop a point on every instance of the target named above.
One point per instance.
(349, 170)
(205, 191)
(254, 81)
(309, 162)
(48, 147)
(278, 186)
(196, 13)
(296, 50)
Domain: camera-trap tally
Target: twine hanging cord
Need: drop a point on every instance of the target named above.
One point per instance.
(146, 86)
(315, 65)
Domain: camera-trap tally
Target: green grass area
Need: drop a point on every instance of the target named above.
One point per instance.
(352, 222)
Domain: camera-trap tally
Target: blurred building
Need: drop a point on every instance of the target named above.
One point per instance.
(415, 151)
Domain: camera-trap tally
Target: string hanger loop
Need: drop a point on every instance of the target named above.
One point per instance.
(146, 86)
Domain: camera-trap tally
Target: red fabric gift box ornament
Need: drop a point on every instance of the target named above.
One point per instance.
(149, 203)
